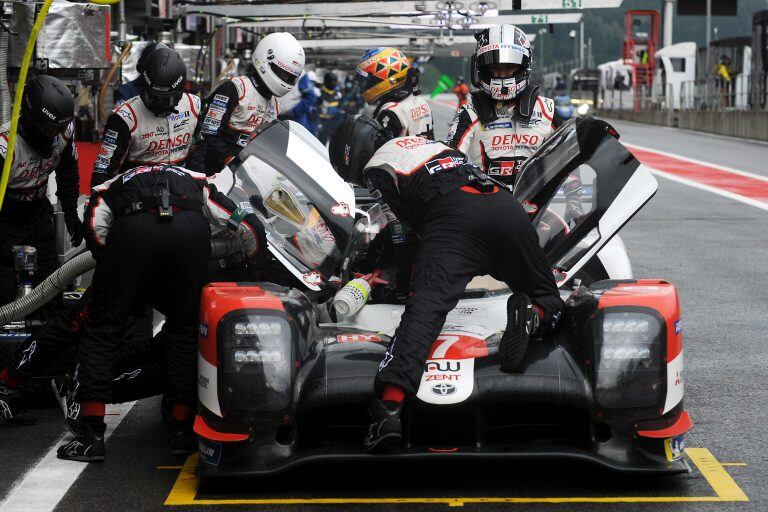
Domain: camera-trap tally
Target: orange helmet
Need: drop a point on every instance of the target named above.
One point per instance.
(380, 71)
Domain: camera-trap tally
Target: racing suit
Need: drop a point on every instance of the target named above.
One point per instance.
(27, 215)
(500, 137)
(144, 255)
(141, 363)
(135, 136)
(237, 109)
(467, 226)
(408, 116)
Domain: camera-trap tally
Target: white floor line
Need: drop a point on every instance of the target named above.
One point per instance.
(719, 167)
(45, 484)
(730, 195)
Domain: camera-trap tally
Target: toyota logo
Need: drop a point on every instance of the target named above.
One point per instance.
(443, 389)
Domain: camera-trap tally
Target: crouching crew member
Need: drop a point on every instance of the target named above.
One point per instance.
(149, 230)
(155, 127)
(467, 226)
(239, 107)
(506, 120)
(387, 79)
(44, 144)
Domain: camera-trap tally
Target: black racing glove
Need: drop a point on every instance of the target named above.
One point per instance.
(74, 228)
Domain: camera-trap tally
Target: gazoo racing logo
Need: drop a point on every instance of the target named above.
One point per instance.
(511, 140)
(443, 164)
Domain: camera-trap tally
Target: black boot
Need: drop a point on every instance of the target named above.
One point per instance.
(90, 446)
(183, 442)
(521, 323)
(10, 412)
(183, 438)
(385, 430)
(63, 387)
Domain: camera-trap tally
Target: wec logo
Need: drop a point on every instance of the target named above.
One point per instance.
(341, 209)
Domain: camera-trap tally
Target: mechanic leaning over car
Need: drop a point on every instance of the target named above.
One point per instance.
(155, 127)
(44, 144)
(239, 107)
(387, 79)
(133, 88)
(149, 232)
(466, 226)
(505, 120)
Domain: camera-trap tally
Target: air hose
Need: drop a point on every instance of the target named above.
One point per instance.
(80, 264)
(110, 75)
(20, 91)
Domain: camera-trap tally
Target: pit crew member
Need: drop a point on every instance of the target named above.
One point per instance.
(461, 91)
(467, 226)
(505, 120)
(155, 127)
(387, 80)
(239, 107)
(150, 231)
(44, 144)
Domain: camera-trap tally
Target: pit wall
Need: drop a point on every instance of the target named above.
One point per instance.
(742, 124)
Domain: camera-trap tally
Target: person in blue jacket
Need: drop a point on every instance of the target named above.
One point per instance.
(305, 111)
(133, 88)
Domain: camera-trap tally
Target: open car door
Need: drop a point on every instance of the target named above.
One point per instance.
(580, 188)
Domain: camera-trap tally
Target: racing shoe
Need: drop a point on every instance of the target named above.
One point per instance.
(87, 448)
(65, 393)
(521, 323)
(183, 442)
(385, 430)
(9, 407)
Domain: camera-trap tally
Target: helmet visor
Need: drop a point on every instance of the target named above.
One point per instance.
(502, 54)
(161, 103)
(282, 74)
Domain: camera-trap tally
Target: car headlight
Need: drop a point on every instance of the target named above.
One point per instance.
(257, 357)
(628, 348)
(583, 109)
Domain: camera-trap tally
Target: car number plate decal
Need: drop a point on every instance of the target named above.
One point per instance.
(447, 381)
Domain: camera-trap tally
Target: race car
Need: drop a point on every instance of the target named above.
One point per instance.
(285, 377)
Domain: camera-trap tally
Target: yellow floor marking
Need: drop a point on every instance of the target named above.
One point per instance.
(169, 467)
(725, 486)
(726, 489)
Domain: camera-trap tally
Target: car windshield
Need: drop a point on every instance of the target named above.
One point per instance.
(307, 210)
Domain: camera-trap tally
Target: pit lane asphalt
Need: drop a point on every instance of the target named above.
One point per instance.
(712, 248)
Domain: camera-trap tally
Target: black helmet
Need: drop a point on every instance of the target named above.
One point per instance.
(145, 53)
(164, 74)
(353, 144)
(330, 80)
(47, 107)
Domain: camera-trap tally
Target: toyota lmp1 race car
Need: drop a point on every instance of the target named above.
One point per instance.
(285, 377)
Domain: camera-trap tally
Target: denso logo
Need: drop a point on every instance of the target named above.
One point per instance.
(421, 110)
(179, 140)
(515, 138)
(410, 142)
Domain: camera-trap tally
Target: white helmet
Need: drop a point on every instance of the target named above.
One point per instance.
(279, 60)
(501, 44)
